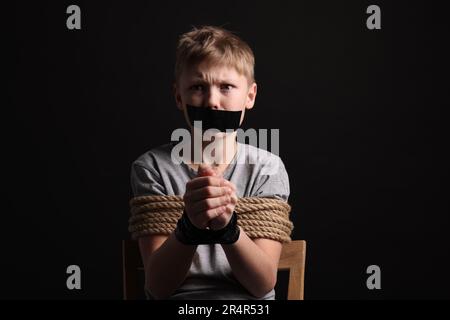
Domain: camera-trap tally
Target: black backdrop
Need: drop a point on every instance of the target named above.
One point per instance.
(360, 113)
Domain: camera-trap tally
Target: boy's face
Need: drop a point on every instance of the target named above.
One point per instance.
(216, 87)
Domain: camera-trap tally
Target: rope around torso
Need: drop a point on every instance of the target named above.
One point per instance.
(259, 217)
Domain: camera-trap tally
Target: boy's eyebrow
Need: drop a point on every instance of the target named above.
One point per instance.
(199, 77)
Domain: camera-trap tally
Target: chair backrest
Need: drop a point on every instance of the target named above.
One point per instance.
(292, 259)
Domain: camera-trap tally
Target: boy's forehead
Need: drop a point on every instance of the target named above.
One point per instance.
(214, 72)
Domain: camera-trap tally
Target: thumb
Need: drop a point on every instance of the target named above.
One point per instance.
(205, 170)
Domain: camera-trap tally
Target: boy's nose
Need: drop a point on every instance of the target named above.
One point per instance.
(212, 100)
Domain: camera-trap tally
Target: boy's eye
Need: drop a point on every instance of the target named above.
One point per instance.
(226, 87)
(197, 87)
(200, 87)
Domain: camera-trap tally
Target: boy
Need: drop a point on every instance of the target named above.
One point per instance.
(214, 82)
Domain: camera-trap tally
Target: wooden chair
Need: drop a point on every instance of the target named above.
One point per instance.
(292, 259)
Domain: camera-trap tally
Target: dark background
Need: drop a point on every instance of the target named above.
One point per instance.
(361, 115)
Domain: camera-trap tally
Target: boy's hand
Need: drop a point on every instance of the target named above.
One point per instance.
(209, 199)
(222, 220)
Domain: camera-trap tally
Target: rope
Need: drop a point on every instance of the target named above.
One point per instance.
(259, 217)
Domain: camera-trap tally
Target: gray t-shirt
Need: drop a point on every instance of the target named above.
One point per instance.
(255, 173)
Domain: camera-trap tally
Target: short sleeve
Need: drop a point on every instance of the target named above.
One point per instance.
(146, 181)
(273, 180)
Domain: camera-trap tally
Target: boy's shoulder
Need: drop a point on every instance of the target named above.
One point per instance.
(154, 155)
(252, 152)
(266, 160)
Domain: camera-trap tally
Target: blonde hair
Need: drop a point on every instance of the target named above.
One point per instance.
(214, 45)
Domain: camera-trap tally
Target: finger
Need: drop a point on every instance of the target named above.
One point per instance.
(229, 208)
(234, 199)
(210, 203)
(233, 188)
(205, 170)
(208, 192)
(215, 169)
(230, 185)
(213, 213)
(201, 182)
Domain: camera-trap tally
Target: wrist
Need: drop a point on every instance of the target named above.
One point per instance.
(189, 234)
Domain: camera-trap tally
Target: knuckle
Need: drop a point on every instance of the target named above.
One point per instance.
(209, 203)
(211, 214)
(209, 191)
(229, 209)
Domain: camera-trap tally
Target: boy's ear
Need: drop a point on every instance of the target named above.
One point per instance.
(177, 95)
(251, 96)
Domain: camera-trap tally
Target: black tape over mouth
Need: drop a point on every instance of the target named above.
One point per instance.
(214, 119)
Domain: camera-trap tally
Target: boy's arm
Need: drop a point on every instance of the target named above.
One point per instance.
(254, 263)
(166, 260)
(166, 263)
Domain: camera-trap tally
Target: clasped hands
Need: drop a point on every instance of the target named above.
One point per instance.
(209, 199)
